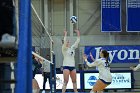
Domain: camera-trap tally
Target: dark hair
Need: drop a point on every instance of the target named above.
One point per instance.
(33, 57)
(105, 54)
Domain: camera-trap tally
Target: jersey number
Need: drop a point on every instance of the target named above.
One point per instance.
(107, 64)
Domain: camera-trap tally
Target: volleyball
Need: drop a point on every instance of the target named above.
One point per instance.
(73, 19)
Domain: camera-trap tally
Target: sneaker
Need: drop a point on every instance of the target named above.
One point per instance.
(43, 91)
(6, 38)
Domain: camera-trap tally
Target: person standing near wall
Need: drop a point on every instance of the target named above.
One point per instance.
(46, 73)
(69, 61)
(105, 77)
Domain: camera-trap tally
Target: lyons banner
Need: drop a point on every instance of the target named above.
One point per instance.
(111, 16)
(117, 54)
(133, 15)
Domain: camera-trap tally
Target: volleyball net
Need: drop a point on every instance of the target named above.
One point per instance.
(42, 41)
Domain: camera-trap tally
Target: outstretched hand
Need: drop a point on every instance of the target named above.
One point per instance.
(84, 56)
(78, 32)
(132, 68)
(65, 32)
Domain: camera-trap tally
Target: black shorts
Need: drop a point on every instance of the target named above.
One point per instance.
(69, 68)
(34, 72)
(105, 82)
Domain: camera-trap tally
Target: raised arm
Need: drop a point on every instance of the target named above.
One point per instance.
(65, 35)
(135, 68)
(78, 33)
(64, 40)
(37, 57)
(92, 56)
(75, 45)
(93, 64)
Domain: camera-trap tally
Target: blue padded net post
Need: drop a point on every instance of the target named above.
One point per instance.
(24, 64)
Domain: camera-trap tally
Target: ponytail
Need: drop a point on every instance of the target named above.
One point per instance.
(106, 56)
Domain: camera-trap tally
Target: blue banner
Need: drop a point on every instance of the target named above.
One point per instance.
(111, 16)
(133, 16)
(117, 54)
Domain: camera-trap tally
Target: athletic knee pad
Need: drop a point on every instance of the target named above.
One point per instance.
(74, 85)
(64, 85)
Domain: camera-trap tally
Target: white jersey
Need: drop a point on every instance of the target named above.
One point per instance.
(104, 70)
(46, 66)
(69, 53)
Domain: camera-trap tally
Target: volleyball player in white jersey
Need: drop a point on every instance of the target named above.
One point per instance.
(136, 68)
(105, 77)
(69, 61)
